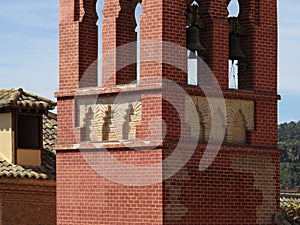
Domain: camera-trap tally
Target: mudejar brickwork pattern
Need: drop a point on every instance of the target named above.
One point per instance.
(141, 128)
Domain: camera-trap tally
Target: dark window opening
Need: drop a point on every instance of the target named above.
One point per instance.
(233, 10)
(29, 131)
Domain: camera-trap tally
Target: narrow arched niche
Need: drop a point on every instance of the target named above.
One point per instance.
(219, 132)
(201, 126)
(126, 128)
(108, 133)
(239, 128)
(88, 123)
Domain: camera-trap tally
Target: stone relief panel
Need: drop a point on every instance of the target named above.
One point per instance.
(109, 119)
(238, 120)
(204, 116)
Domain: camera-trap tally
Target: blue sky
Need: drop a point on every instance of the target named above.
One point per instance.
(29, 50)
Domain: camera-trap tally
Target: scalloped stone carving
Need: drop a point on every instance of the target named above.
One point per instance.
(107, 120)
(238, 120)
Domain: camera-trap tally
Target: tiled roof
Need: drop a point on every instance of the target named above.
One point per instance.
(49, 131)
(17, 98)
(48, 168)
(16, 171)
(290, 210)
(289, 198)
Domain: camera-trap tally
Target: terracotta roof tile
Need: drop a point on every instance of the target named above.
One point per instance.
(290, 209)
(17, 98)
(16, 171)
(14, 98)
(287, 199)
(49, 131)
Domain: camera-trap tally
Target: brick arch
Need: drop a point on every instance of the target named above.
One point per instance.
(220, 123)
(239, 128)
(216, 8)
(201, 126)
(108, 133)
(131, 119)
(118, 29)
(245, 8)
(111, 8)
(136, 2)
(205, 119)
(90, 13)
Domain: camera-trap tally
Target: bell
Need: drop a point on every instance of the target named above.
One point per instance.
(193, 39)
(235, 51)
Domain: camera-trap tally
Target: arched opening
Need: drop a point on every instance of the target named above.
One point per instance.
(127, 125)
(201, 126)
(99, 8)
(88, 124)
(233, 8)
(239, 128)
(193, 26)
(220, 131)
(235, 53)
(108, 133)
(118, 36)
(138, 12)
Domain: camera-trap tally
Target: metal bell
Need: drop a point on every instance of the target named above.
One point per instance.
(235, 51)
(193, 39)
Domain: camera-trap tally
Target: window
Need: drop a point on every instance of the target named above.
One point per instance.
(29, 133)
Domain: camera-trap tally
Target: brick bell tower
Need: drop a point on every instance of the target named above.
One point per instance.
(113, 138)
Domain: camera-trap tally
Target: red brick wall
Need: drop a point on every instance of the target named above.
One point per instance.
(85, 197)
(65, 120)
(78, 44)
(240, 187)
(25, 202)
(242, 184)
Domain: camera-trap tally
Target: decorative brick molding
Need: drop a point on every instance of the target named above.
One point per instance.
(239, 118)
(240, 186)
(27, 201)
(107, 120)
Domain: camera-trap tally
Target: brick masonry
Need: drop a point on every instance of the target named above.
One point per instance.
(27, 202)
(241, 186)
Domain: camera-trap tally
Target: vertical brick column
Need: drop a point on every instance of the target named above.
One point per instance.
(266, 124)
(265, 48)
(215, 38)
(163, 41)
(247, 20)
(151, 127)
(78, 58)
(259, 18)
(119, 43)
(78, 44)
(162, 26)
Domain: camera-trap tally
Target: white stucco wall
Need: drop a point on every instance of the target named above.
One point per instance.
(6, 136)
